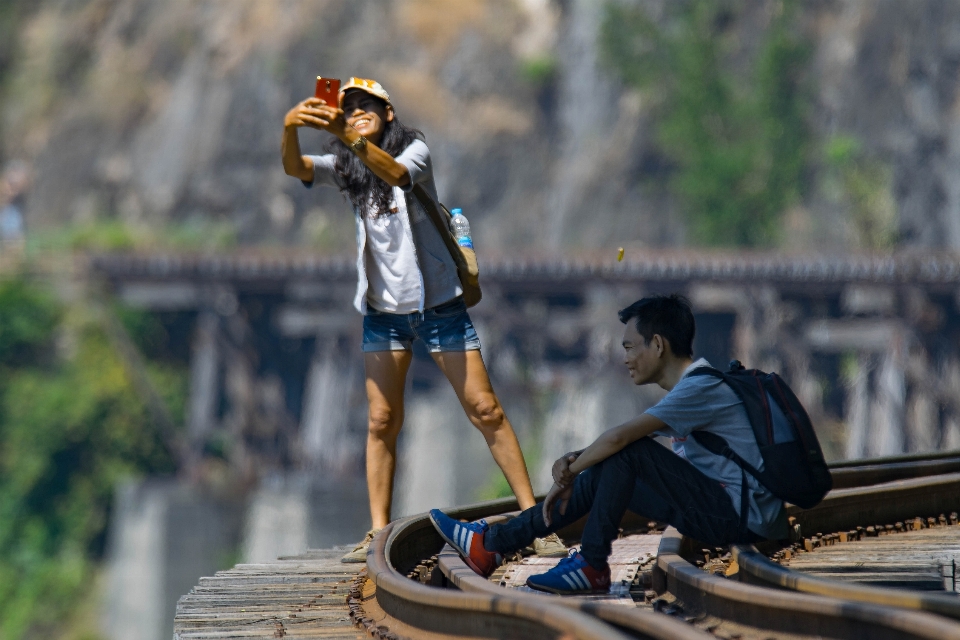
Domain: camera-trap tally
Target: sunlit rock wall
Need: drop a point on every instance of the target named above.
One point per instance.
(170, 110)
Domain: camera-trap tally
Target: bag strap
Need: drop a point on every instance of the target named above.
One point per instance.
(708, 371)
(717, 445)
(437, 216)
(714, 443)
(744, 503)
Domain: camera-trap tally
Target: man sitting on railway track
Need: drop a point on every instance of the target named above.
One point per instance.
(695, 490)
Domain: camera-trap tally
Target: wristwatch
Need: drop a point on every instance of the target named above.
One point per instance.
(358, 144)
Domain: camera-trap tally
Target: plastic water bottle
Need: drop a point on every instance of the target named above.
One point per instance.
(461, 228)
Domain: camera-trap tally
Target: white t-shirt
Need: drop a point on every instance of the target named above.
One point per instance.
(392, 273)
(709, 404)
(405, 261)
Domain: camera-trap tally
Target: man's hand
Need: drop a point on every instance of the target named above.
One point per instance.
(561, 468)
(557, 494)
(316, 114)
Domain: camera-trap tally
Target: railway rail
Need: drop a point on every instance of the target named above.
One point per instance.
(417, 584)
(884, 553)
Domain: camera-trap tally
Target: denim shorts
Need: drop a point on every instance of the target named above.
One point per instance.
(446, 327)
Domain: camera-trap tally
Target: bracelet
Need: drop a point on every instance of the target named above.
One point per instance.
(358, 144)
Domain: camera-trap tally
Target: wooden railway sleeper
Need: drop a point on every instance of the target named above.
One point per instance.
(760, 569)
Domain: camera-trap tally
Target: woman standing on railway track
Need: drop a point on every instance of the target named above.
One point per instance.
(408, 286)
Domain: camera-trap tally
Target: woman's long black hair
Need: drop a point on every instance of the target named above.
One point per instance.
(358, 182)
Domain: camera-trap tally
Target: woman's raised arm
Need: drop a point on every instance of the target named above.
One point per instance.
(317, 114)
(294, 162)
(379, 161)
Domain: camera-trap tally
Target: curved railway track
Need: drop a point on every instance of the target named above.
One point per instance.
(764, 596)
(896, 506)
(477, 607)
(860, 473)
(833, 581)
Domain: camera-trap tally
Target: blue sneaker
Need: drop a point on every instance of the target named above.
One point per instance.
(572, 576)
(466, 538)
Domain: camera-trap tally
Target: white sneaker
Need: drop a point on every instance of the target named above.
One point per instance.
(359, 553)
(550, 546)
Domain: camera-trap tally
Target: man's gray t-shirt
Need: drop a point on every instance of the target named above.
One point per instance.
(395, 261)
(706, 403)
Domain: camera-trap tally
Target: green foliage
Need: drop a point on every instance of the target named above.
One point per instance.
(28, 318)
(865, 186)
(143, 327)
(538, 70)
(842, 150)
(738, 139)
(496, 487)
(110, 234)
(71, 426)
(849, 367)
(197, 234)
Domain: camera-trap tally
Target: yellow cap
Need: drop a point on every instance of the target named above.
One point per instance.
(372, 87)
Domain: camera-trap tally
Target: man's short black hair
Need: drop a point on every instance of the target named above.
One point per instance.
(669, 316)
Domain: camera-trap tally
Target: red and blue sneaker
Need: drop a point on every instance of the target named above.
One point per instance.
(572, 576)
(466, 538)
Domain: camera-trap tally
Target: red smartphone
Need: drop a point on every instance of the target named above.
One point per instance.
(327, 90)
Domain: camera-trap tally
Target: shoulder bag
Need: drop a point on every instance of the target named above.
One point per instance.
(464, 257)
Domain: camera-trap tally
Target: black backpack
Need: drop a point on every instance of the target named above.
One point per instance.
(793, 466)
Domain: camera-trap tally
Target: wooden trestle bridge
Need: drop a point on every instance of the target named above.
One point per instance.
(872, 341)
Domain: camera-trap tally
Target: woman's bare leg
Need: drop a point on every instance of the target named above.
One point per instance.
(468, 375)
(386, 373)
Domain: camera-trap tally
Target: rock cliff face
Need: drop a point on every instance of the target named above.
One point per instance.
(155, 111)
(888, 74)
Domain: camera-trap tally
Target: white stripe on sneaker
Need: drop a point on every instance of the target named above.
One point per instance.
(458, 536)
(468, 542)
(586, 581)
(570, 581)
(575, 576)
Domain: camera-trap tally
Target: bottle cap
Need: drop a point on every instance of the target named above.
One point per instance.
(457, 211)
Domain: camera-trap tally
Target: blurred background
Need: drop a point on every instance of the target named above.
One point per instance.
(181, 385)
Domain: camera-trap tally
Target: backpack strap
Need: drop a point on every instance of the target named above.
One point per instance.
(744, 503)
(707, 371)
(717, 445)
(712, 442)
(441, 220)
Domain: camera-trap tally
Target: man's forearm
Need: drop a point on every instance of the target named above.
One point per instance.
(601, 449)
(612, 441)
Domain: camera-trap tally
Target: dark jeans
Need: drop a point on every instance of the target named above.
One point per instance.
(646, 478)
